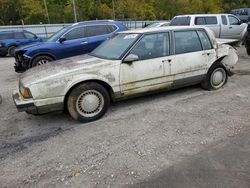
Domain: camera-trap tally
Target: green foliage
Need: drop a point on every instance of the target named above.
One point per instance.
(61, 11)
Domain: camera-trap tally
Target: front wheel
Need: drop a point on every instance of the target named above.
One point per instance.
(88, 102)
(215, 79)
(40, 60)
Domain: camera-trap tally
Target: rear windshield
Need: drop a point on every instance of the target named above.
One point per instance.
(185, 20)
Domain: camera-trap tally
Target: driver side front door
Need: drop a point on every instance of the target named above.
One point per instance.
(146, 74)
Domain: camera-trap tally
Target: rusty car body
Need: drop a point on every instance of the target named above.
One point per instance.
(131, 63)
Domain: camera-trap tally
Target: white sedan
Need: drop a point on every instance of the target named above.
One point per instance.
(131, 63)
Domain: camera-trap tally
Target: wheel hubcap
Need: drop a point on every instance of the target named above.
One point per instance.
(43, 61)
(218, 78)
(90, 103)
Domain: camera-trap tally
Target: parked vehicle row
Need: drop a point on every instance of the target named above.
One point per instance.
(10, 40)
(225, 26)
(129, 64)
(77, 39)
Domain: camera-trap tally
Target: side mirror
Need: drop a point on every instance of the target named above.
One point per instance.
(241, 22)
(131, 58)
(35, 37)
(62, 39)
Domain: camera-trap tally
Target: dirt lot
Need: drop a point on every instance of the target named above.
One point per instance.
(183, 138)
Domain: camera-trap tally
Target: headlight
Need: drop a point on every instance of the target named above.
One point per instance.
(24, 91)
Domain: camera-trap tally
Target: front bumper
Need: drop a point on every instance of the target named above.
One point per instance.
(31, 107)
(22, 63)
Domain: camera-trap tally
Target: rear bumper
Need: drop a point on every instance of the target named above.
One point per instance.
(35, 107)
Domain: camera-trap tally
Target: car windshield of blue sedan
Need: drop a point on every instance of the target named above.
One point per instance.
(58, 34)
(115, 47)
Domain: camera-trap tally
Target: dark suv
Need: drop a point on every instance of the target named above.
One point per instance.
(9, 40)
(79, 38)
(242, 13)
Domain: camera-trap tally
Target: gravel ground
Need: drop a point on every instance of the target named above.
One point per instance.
(183, 138)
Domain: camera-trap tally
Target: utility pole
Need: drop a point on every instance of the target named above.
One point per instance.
(74, 10)
(113, 9)
(46, 9)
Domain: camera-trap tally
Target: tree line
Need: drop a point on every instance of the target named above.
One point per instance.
(15, 12)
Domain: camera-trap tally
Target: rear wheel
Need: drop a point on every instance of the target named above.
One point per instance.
(40, 60)
(88, 102)
(11, 51)
(216, 78)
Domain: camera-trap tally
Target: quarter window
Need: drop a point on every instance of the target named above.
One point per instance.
(6, 36)
(76, 33)
(206, 44)
(152, 46)
(186, 41)
(111, 28)
(96, 30)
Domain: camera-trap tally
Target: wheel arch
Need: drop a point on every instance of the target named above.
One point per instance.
(101, 82)
(41, 54)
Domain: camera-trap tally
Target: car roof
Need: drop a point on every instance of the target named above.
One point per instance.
(201, 15)
(161, 29)
(94, 22)
(13, 31)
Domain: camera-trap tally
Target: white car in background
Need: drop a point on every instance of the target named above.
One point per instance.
(226, 26)
(131, 63)
(158, 24)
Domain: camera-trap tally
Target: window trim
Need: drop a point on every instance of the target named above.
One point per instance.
(212, 47)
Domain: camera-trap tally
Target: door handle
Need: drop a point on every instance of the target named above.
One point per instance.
(230, 27)
(168, 60)
(206, 53)
(84, 42)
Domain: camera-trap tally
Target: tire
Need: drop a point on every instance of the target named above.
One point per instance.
(40, 60)
(248, 50)
(11, 51)
(82, 97)
(216, 78)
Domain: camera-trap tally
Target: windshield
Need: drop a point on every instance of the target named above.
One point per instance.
(58, 34)
(153, 25)
(115, 47)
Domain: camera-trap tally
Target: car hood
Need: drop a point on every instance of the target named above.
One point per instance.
(61, 68)
(34, 45)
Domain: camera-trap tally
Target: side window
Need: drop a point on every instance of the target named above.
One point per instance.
(152, 46)
(209, 20)
(19, 35)
(6, 36)
(29, 35)
(76, 33)
(224, 19)
(96, 30)
(200, 21)
(111, 28)
(206, 44)
(186, 41)
(180, 21)
(233, 20)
